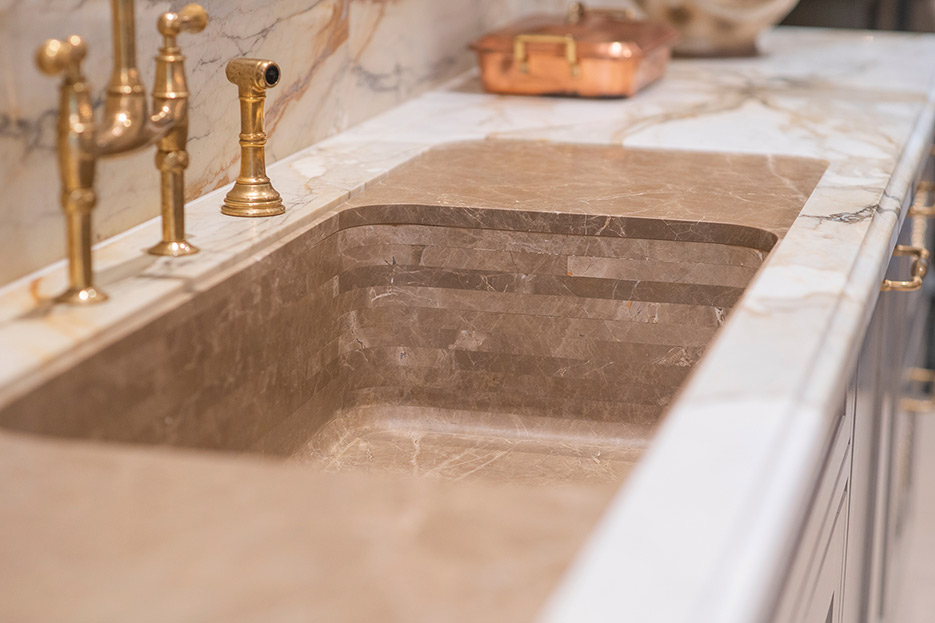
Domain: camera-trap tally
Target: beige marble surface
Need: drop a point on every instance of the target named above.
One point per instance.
(126, 535)
(342, 61)
(713, 535)
(490, 309)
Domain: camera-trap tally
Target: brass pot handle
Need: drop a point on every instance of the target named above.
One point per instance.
(920, 266)
(577, 11)
(920, 205)
(571, 50)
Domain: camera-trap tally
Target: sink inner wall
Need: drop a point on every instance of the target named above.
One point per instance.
(452, 340)
(415, 338)
(529, 355)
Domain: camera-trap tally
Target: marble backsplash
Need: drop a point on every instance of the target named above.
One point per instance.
(342, 61)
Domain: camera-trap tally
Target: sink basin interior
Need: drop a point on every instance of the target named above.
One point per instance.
(432, 334)
(520, 354)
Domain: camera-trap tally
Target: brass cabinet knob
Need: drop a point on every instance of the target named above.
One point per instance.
(252, 195)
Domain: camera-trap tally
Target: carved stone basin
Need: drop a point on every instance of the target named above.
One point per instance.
(477, 340)
(505, 310)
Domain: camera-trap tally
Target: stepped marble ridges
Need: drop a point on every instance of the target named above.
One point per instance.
(469, 323)
(36, 334)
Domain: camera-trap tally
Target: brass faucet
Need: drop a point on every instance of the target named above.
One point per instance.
(127, 126)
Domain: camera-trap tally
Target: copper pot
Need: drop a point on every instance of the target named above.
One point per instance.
(588, 53)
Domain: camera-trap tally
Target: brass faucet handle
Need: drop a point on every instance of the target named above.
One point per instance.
(54, 57)
(191, 18)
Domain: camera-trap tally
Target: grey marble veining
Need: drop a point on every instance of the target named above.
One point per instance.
(343, 61)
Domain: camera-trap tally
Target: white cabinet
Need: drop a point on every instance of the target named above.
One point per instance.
(848, 563)
(815, 585)
(823, 605)
(884, 442)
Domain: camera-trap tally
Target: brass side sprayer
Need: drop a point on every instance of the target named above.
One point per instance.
(252, 195)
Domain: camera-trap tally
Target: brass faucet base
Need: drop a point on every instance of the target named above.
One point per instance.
(174, 249)
(253, 200)
(254, 211)
(81, 296)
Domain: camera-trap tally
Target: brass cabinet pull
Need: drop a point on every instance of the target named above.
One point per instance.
(920, 266)
(571, 50)
(916, 405)
(920, 205)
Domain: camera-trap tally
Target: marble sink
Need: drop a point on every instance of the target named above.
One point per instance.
(501, 310)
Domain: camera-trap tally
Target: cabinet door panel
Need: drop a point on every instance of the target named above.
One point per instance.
(883, 441)
(815, 580)
(824, 603)
(866, 397)
(903, 348)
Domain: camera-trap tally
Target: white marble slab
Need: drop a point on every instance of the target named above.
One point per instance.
(699, 530)
(342, 61)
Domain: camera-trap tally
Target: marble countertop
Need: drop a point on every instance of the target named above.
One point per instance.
(753, 421)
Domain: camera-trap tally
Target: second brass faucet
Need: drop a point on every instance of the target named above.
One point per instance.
(127, 126)
(170, 95)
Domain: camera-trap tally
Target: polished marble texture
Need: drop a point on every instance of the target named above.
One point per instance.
(523, 312)
(126, 535)
(342, 61)
(710, 512)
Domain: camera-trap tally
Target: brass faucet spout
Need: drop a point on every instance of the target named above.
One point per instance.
(127, 124)
(124, 24)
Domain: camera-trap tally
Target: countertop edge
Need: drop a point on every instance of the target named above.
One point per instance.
(741, 583)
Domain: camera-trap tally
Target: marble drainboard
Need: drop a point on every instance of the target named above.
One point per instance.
(496, 309)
